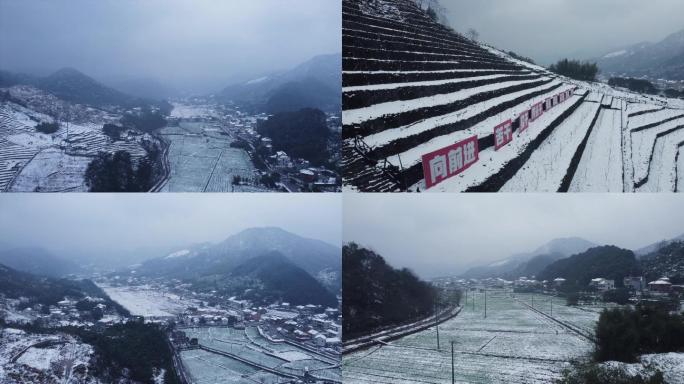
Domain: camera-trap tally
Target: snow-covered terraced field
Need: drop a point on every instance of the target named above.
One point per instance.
(546, 168)
(33, 161)
(284, 359)
(600, 169)
(27, 357)
(203, 162)
(513, 344)
(412, 87)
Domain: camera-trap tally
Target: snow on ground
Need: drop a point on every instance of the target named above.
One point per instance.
(357, 116)
(600, 169)
(671, 364)
(188, 111)
(513, 344)
(57, 358)
(51, 170)
(642, 147)
(414, 155)
(202, 161)
(548, 165)
(680, 170)
(663, 167)
(147, 301)
(492, 161)
(206, 366)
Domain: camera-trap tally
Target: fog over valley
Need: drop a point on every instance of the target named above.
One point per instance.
(197, 47)
(438, 235)
(551, 30)
(115, 231)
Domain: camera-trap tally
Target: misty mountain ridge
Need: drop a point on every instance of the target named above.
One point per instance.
(37, 261)
(72, 85)
(145, 88)
(319, 259)
(315, 83)
(517, 265)
(644, 252)
(605, 261)
(273, 277)
(661, 60)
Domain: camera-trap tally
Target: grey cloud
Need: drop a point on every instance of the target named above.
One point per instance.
(82, 223)
(183, 43)
(548, 30)
(439, 234)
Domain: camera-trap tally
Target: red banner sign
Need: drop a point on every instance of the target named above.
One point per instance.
(503, 134)
(524, 120)
(450, 161)
(536, 111)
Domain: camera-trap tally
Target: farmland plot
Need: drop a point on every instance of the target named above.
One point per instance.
(258, 351)
(512, 344)
(203, 161)
(600, 169)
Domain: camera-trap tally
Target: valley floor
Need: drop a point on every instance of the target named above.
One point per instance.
(523, 339)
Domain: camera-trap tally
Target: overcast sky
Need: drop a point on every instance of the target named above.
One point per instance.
(548, 30)
(442, 234)
(93, 222)
(184, 43)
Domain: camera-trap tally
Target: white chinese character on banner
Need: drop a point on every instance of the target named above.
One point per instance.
(499, 137)
(438, 168)
(455, 160)
(508, 132)
(470, 152)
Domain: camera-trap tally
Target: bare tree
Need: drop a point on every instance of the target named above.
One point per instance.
(473, 34)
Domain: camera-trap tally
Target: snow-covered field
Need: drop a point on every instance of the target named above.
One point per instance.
(34, 161)
(671, 364)
(188, 111)
(29, 358)
(210, 367)
(513, 344)
(202, 160)
(147, 301)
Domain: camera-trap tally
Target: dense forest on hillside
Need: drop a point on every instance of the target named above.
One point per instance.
(575, 69)
(302, 134)
(270, 278)
(377, 295)
(49, 291)
(608, 261)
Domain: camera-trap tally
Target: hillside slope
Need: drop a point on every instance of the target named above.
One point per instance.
(318, 259)
(315, 83)
(661, 60)
(412, 87)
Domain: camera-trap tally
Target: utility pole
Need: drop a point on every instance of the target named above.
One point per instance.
(437, 327)
(453, 375)
(551, 306)
(485, 306)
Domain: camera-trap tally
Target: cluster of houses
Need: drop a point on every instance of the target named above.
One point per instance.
(65, 313)
(636, 284)
(308, 325)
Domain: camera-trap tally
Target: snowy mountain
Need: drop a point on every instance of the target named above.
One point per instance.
(317, 258)
(315, 83)
(37, 261)
(662, 60)
(642, 252)
(531, 263)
